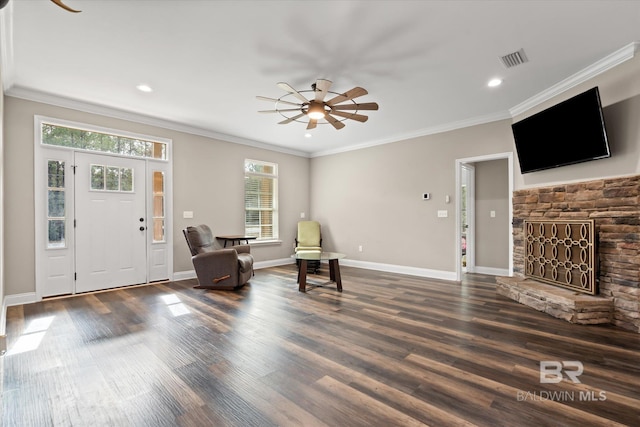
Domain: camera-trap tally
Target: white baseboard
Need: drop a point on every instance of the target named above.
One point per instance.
(401, 269)
(492, 271)
(184, 275)
(273, 263)
(19, 299)
(9, 300)
(191, 274)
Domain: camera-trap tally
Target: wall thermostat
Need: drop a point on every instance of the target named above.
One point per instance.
(426, 196)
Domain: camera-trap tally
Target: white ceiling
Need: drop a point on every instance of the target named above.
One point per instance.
(426, 63)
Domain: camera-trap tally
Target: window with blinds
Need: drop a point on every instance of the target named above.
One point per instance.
(261, 199)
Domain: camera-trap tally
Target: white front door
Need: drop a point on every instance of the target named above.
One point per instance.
(111, 224)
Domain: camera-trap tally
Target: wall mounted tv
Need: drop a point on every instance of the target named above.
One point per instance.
(572, 131)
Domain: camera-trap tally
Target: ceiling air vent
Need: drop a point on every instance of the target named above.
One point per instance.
(513, 59)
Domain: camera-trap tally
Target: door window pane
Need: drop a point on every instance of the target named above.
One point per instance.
(56, 233)
(56, 203)
(97, 177)
(126, 179)
(56, 174)
(112, 178)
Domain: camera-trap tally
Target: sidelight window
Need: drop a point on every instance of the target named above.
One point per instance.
(56, 206)
(158, 207)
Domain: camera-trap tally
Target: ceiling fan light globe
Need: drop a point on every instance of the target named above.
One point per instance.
(316, 115)
(316, 110)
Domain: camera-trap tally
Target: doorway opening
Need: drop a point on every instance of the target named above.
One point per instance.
(465, 231)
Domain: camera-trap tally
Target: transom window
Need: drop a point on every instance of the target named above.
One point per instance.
(63, 136)
(261, 199)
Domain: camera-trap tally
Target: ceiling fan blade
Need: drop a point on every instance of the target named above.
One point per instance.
(364, 106)
(334, 122)
(264, 98)
(278, 111)
(291, 119)
(352, 116)
(287, 88)
(322, 86)
(312, 124)
(65, 7)
(348, 95)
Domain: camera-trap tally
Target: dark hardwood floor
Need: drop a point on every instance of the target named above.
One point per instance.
(390, 350)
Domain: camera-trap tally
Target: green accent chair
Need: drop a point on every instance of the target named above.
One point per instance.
(309, 239)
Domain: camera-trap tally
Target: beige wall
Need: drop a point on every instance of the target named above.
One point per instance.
(373, 197)
(369, 197)
(492, 194)
(620, 96)
(207, 179)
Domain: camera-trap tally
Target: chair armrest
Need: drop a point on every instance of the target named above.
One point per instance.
(219, 255)
(242, 249)
(218, 268)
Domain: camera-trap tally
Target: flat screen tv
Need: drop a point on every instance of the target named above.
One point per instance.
(572, 131)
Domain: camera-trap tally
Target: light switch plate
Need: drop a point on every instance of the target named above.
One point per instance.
(187, 214)
(443, 214)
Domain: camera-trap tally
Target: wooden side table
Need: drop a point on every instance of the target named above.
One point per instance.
(334, 267)
(235, 238)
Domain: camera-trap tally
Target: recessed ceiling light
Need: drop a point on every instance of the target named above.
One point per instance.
(144, 88)
(307, 135)
(494, 82)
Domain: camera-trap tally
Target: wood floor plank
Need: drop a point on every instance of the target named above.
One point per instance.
(390, 350)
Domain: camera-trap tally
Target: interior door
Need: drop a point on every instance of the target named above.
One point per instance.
(111, 227)
(467, 217)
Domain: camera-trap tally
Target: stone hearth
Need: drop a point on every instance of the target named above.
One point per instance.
(613, 204)
(558, 302)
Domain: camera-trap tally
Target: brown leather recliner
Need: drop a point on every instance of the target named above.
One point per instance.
(227, 268)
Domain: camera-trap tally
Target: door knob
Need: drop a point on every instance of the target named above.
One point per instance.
(142, 228)
(141, 219)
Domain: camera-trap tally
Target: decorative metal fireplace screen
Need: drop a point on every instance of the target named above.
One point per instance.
(561, 253)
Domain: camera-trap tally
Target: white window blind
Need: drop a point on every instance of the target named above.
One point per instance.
(261, 199)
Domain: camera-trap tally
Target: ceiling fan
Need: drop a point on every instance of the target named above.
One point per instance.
(3, 3)
(316, 108)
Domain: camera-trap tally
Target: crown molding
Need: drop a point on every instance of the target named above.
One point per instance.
(616, 58)
(87, 107)
(447, 127)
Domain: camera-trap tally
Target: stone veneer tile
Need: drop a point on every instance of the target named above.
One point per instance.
(614, 205)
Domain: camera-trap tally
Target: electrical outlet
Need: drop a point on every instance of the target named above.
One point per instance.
(302, 215)
(187, 214)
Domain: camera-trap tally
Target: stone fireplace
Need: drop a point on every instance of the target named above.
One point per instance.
(613, 206)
